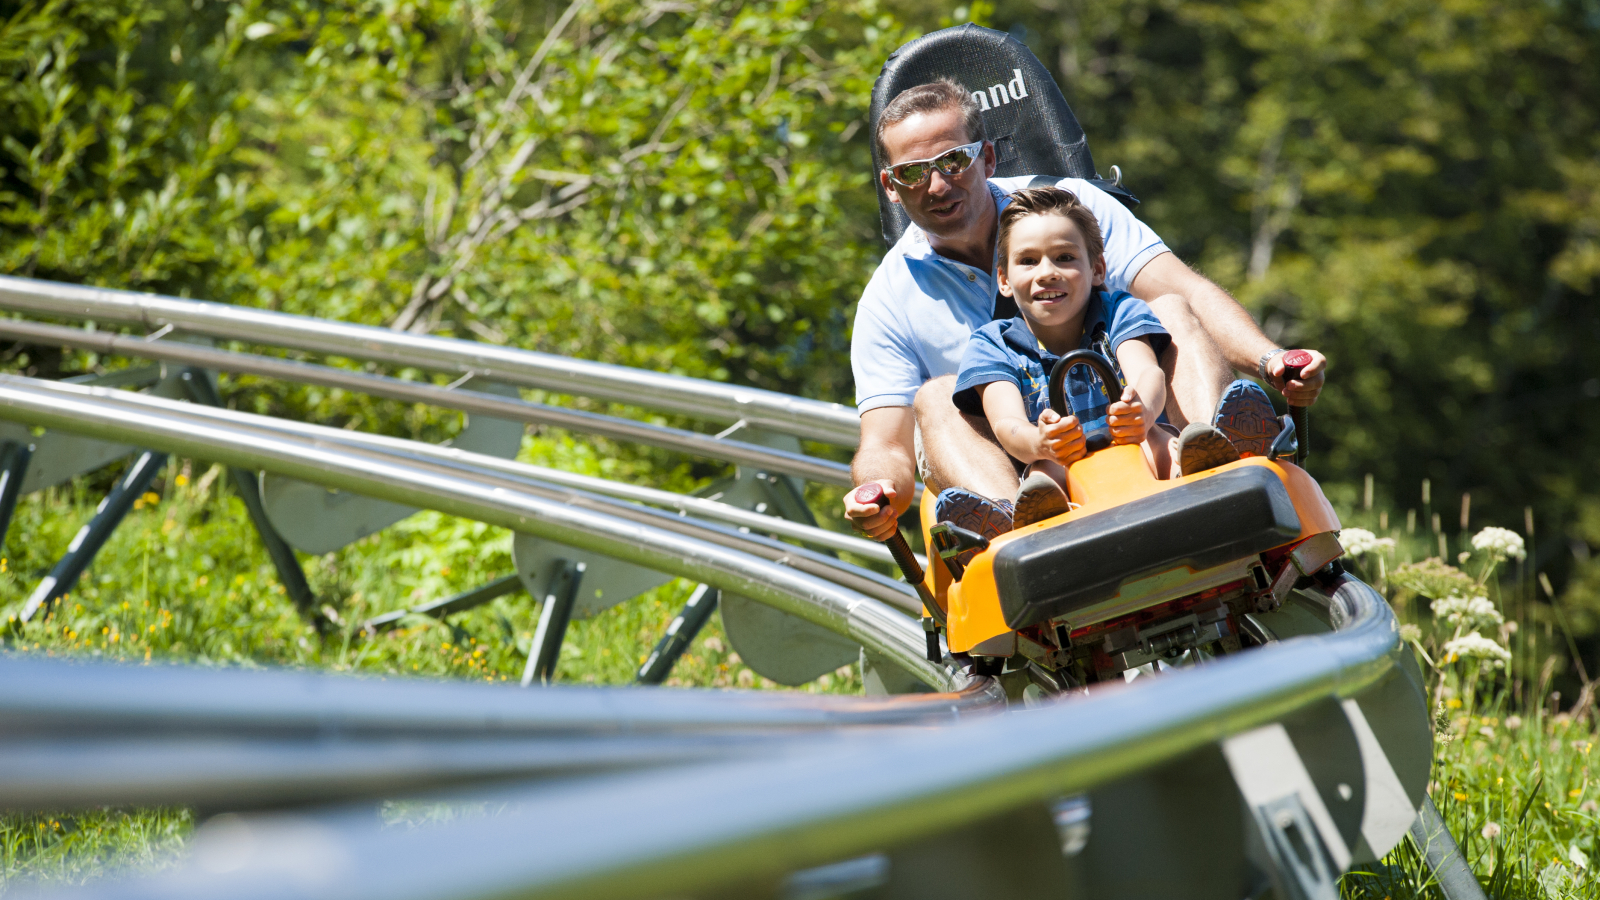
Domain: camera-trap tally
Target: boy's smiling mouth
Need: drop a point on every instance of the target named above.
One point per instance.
(1049, 296)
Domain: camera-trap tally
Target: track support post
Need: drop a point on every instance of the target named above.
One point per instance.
(680, 634)
(559, 599)
(14, 458)
(92, 536)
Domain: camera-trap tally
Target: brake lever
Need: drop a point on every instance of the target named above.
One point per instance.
(1293, 362)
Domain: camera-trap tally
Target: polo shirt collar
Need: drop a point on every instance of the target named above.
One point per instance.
(1017, 336)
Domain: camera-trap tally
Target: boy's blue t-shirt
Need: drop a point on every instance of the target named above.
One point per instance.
(1005, 350)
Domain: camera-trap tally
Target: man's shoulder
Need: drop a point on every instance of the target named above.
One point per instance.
(1080, 186)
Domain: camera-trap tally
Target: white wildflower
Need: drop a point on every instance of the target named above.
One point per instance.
(1410, 633)
(1501, 542)
(1475, 645)
(1578, 857)
(1491, 831)
(1513, 723)
(1359, 541)
(1469, 612)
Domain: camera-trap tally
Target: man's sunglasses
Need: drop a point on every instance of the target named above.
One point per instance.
(950, 163)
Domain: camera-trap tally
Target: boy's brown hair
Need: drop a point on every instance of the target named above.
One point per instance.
(1042, 201)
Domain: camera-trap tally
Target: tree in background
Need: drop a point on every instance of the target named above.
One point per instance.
(681, 186)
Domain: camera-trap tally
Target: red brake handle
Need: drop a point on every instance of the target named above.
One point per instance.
(872, 492)
(1293, 362)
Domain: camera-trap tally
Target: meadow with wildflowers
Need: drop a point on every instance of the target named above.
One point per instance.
(1512, 758)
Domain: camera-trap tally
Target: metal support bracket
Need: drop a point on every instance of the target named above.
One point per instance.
(1439, 848)
(465, 600)
(14, 458)
(1295, 850)
(545, 653)
(93, 535)
(680, 634)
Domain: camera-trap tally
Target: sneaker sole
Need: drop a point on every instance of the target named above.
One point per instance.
(1038, 501)
(1204, 448)
(1246, 418)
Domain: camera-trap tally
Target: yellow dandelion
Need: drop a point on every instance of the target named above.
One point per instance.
(1453, 703)
(1460, 796)
(181, 481)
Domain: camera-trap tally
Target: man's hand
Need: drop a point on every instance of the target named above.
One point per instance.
(1302, 391)
(1126, 418)
(1061, 439)
(879, 522)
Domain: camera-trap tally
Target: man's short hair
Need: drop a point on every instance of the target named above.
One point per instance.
(935, 96)
(1042, 201)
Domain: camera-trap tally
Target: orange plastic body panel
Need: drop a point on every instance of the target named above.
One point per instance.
(934, 574)
(1109, 478)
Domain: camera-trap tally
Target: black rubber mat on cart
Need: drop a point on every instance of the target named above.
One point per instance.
(1201, 525)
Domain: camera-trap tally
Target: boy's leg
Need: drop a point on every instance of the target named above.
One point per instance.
(960, 450)
(1196, 371)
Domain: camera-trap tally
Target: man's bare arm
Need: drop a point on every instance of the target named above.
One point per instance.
(1232, 328)
(887, 455)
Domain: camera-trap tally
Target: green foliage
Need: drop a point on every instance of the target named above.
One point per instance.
(683, 187)
(1408, 186)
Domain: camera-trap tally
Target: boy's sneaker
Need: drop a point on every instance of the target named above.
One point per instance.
(1202, 447)
(975, 513)
(1039, 498)
(1245, 416)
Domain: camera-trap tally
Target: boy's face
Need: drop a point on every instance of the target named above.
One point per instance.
(1047, 269)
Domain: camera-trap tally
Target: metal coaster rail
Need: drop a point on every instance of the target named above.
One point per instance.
(770, 815)
(798, 464)
(411, 480)
(808, 419)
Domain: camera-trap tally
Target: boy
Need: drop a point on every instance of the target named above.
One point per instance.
(1051, 262)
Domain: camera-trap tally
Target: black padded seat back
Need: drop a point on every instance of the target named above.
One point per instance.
(1032, 127)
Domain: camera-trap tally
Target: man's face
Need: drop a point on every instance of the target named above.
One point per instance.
(952, 208)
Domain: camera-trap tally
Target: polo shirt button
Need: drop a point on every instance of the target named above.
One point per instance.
(972, 276)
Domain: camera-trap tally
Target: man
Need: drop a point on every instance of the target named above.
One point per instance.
(937, 285)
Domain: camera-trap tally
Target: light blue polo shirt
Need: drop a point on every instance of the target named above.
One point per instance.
(920, 309)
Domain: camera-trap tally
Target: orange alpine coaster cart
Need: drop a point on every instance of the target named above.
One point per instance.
(1139, 571)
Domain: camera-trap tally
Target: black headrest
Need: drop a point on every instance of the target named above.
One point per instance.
(1030, 123)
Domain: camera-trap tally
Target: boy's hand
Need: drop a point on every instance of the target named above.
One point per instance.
(1061, 439)
(1126, 418)
(877, 521)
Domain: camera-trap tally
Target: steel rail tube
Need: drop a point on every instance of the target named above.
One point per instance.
(810, 419)
(762, 819)
(820, 470)
(465, 464)
(45, 698)
(874, 625)
(209, 358)
(105, 734)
